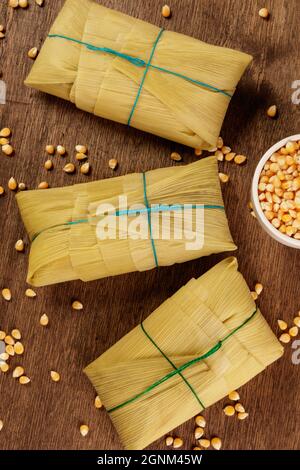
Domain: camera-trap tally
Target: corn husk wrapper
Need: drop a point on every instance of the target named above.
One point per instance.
(107, 86)
(62, 252)
(186, 326)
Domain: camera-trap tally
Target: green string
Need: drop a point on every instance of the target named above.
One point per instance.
(144, 76)
(174, 367)
(182, 368)
(141, 63)
(149, 220)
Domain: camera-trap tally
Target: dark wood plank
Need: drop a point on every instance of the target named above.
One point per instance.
(45, 415)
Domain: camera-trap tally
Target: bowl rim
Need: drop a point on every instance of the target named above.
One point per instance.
(272, 231)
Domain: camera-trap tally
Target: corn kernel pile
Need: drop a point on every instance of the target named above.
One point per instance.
(279, 190)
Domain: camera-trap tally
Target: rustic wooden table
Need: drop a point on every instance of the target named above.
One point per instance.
(45, 415)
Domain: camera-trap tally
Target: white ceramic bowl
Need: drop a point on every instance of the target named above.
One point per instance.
(264, 222)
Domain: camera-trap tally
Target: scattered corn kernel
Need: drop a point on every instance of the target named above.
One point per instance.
(229, 410)
(81, 156)
(243, 416)
(16, 334)
(33, 52)
(19, 348)
(285, 338)
(84, 430)
(43, 185)
(13, 3)
(18, 372)
(240, 159)
(24, 380)
(177, 443)
(258, 288)
(48, 165)
(81, 149)
(200, 421)
(12, 184)
(234, 396)
(239, 408)
(169, 441)
(216, 443)
(98, 402)
(23, 3)
(69, 168)
(264, 13)
(198, 433)
(5, 132)
(2, 191)
(113, 164)
(205, 443)
(85, 168)
(50, 149)
(4, 367)
(294, 331)
(229, 157)
(166, 11)
(223, 177)
(44, 320)
(272, 111)
(76, 305)
(198, 152)
(40, 3)
(9, 349)
(55, 376)
(60, 149)
(2, 336)
(225, 149)
(22, 186)
(30, 293)
(6, 294)
(19, 246)
(176, 157)
(297, 321)
(4, 356)
(9, 340)
(1, 424)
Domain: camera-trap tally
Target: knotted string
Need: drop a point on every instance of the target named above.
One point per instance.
(179, 370)
(149, 210)
(141, 63)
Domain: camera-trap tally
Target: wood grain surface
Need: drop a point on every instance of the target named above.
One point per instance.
(47, 415)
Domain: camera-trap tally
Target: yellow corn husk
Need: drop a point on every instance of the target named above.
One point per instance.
(107, 86)
(61, 252)
(185, 327)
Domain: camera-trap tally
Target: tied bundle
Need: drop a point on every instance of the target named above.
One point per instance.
(131, 223)
(202, 343)
(124, 69)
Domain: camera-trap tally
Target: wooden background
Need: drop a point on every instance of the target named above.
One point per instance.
(45, 415)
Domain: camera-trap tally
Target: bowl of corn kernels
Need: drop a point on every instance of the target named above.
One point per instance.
(276, 191)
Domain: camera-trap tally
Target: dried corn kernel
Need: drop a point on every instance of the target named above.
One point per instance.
(166, 11)
(285, 338)
(216, 443)
(177, 443)
(229, 410)
(76, 305)
(6, 294)
(84, 430)
(169, 441)
(30, 293)
(243, 416)
(19, 348)
(198, 433)
(98, 403)
(16, 334)
(24, 380)
(294, 331)
(55, 376)
(18, 372)
(44, 320)
(234, 396)
(205, 443)
(200, 421)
